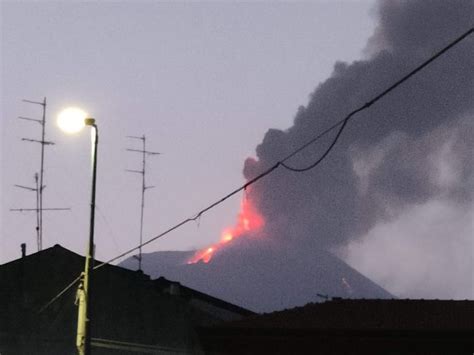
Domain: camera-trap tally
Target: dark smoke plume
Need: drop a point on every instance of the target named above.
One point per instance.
(387, 158)
(394, 197)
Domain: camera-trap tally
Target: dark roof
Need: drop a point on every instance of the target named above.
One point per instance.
(349, 326)
(409, 314)
(187, 292)
(60, 258)
(54, 251)
(127, 306)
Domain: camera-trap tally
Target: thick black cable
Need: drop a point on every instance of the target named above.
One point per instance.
(365, 106)
(192, 219)
(59, 294)
(300, 170)
(281, 162)
(196, 217)
(342, 122)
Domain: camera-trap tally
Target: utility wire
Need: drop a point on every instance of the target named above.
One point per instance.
(134, 347)
(300, 170)
(109, 227)
(191, 219)
(55, 298)
(342, 123)
(367, 105)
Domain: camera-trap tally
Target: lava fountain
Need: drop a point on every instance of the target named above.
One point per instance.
(248, 220)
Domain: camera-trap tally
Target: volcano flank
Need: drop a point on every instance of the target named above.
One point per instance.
(263, 280)
(389, 197)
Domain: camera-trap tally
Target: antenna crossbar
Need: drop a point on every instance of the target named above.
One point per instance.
(36, 102)
(31, 119)
(37, 141)
(143, 151)
(135, 171)
(37, 209)
(27, 188)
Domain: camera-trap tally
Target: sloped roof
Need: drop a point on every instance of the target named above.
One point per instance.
(367, 314)
(164, 283)
(127, 306)
(54, 251)
(60, 258)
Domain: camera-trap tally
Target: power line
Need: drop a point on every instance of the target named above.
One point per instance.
(108, 226)
(300, 170)
(367, 105)
(342, 122)
(134, 347)
(63, 291)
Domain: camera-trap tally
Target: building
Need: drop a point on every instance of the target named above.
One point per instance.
(344, 326)
(130, 313)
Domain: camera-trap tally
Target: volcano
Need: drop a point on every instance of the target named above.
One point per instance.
(263, 280)
(410, 150)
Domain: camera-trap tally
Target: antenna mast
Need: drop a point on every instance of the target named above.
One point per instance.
(144, 154)
(38, 179)
(37, 209)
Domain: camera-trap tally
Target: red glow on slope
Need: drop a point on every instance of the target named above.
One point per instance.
(248, 220)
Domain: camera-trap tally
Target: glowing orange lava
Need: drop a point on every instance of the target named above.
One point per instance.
(248, 220)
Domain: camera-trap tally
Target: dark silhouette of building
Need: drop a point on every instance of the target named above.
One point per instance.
(343, 326)
(130, 313)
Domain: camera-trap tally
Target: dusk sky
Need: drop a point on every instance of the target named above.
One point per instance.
(204, 81)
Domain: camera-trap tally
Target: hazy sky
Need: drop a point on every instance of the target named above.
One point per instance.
(202, 80)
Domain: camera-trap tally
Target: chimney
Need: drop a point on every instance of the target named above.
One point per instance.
(23, 250)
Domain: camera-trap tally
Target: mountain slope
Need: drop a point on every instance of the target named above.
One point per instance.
(263, 280)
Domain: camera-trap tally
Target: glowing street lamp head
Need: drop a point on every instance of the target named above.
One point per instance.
(72, 120)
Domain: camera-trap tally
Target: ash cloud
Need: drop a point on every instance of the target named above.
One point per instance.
(413, 147)
(432, 255)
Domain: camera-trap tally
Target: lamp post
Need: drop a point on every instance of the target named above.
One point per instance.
(73, 120)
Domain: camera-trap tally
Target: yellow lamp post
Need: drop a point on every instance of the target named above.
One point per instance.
(72, 120)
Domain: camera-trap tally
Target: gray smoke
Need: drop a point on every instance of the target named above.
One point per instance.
(394, 198)
(413, 146)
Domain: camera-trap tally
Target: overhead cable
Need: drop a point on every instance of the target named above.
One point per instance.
(343, 122)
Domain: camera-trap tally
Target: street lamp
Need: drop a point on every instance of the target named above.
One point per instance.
(72, 120)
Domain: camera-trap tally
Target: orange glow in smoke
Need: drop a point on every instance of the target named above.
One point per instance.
(248, 220)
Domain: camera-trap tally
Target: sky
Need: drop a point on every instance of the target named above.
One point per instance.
(394, 198)
(212, 84)
(202, 80)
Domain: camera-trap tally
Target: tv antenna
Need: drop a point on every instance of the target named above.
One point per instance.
(39, 178)
(144, 154)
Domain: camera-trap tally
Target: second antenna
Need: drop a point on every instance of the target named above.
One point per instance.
(144, 154)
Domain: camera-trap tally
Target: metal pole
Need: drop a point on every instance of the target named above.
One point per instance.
(83, 340)
(81, 316)
(144, 153)
(39, 195)
(43, 132)
(142, 206)
(38, 211)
